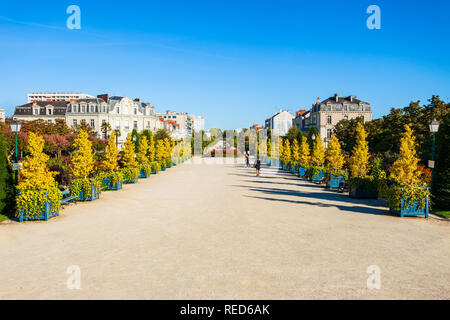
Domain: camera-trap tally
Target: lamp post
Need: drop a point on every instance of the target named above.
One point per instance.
(313, 137)
(15, 127)
(434, 128)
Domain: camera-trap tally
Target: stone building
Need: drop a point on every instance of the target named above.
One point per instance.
(280, 123)
(324, 115)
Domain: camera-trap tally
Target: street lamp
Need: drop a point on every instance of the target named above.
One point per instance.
(313, 137)
(15, 127)
(434, 128)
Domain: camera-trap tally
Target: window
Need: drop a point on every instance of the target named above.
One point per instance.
(362, 108)
(49, 111)
(346, 107)
(135, 111)
(92, 123)
(135, 124)
(92, 109)
(329, 134)
(83, 109)
(118, 110)
(148, 124)
(103, 109)
(127, 124)
(329, 108)
(75, 123)
(74, 109)
(329, 120)
(83, 121)
(36, 112)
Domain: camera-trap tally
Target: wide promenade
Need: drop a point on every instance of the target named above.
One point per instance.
(210, 231)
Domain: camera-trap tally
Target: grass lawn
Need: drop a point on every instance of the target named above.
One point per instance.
(445, 214)
(3, 217)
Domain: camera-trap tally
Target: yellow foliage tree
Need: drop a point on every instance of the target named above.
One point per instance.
(143, 147)
(279, 148)
(334, 156)
(151, 149)
(405, 171)
(295, 151)
(287, 150)
(82, 162)
(36, 175)
(160, 153)
(263, 148)
(167, 148)
(318, 154)
(359, 163)
(269, 148)
(128, 153)
(305, 157)
(110, 163)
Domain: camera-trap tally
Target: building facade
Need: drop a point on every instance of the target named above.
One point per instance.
(280, 123)
(57, 96)
(2, 115)
(187, 123)
(324, 115)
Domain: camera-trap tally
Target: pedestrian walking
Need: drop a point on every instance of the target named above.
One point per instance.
(258, 167)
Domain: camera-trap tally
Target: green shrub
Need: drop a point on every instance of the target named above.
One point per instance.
(7, 190)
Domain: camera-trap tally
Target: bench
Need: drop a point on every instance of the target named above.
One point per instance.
(67, 198)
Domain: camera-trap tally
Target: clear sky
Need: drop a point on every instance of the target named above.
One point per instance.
(234, 62)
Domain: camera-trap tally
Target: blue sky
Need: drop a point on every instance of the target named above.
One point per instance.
(234, 62)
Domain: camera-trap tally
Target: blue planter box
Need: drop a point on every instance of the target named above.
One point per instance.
(163, 169)
(154, 171)
(111, 186)
(294, 169)
(302, 172)
(143, 175)
(269, 162)
(131, 181)
(411, 208)
(335, 181)
(318, 177)
(45, 215)
(95, 194)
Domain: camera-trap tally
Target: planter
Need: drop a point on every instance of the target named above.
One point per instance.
(45, 214)
(302, 172)
(294, 168)
(133, 181)
(361, 188)
(112, 186)
(412, 208)
(143, 174)
(335, 181)
(154, 171)
(318, 176)
(95, 194)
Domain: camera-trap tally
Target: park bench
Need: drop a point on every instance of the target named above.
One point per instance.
(66, 198)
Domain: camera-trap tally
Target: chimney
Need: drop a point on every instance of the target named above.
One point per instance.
(336, 97)
(137, 100)
(355, 97)
(318, 100)
(104, 97)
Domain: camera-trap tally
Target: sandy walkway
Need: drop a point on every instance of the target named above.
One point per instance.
(218, 232)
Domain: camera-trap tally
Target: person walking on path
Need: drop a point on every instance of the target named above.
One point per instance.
(247, 159)
(258, 167)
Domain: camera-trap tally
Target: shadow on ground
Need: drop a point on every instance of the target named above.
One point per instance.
(272, 193)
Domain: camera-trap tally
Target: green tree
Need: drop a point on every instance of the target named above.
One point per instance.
(6, 182)
(441, 179)
(294, 133)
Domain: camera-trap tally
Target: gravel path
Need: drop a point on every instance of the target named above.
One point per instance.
(215, 231)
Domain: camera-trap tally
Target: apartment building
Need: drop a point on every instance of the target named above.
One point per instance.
(57, 96)
(280, 123)
(2, 115)
(187, 123)
(324, 115)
